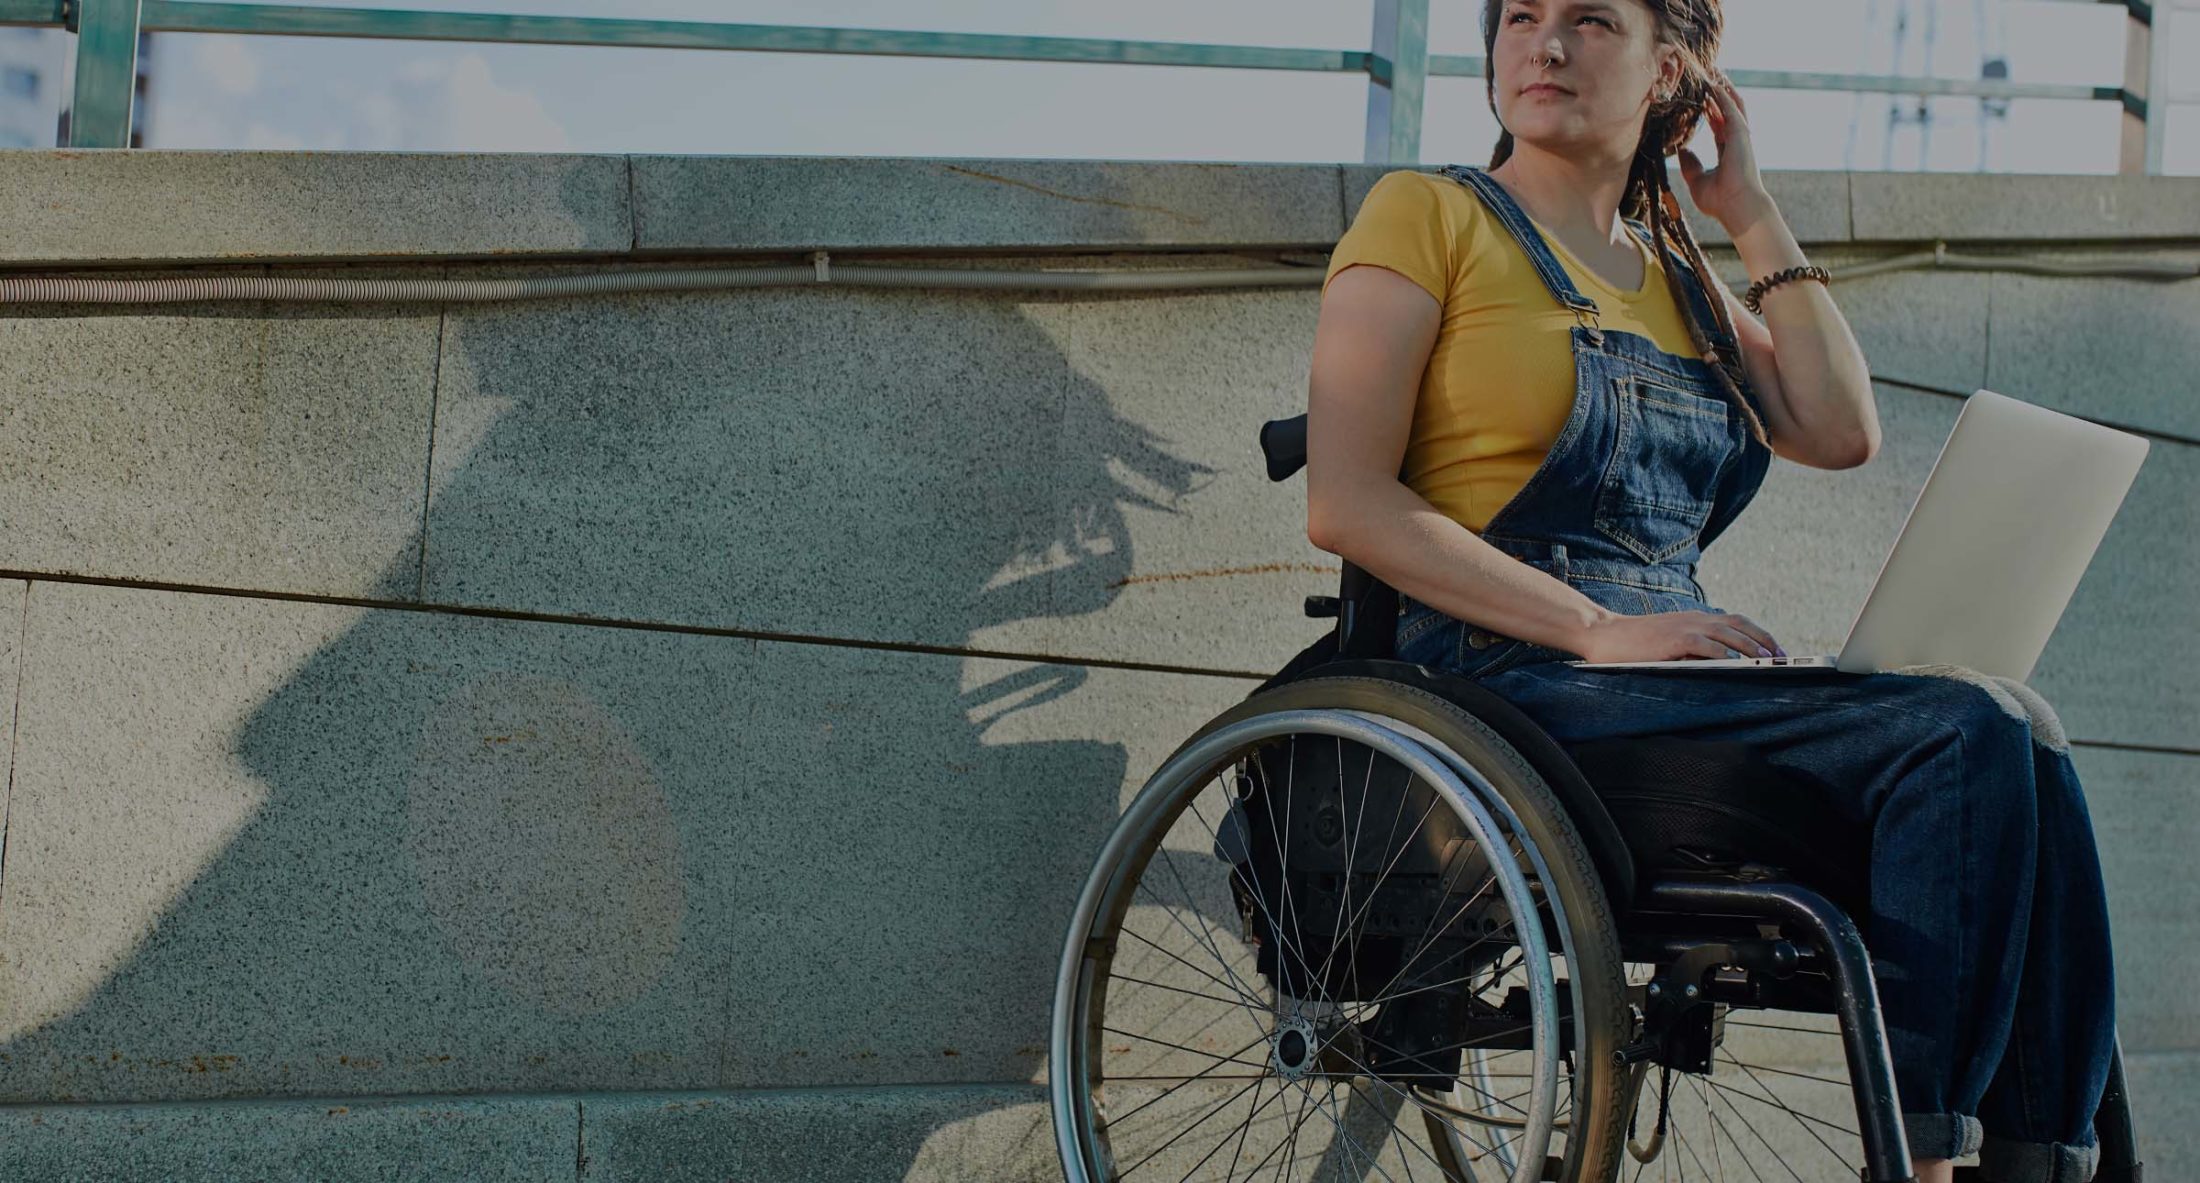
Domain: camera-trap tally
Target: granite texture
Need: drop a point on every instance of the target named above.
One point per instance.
(908, 1134)
(2124, 351)
(264, 848)
(481, 1140)
(258, 445)
(798, 203)
(1921, 207)
(72, 205)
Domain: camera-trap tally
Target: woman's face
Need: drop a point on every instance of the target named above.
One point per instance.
(1603, 55)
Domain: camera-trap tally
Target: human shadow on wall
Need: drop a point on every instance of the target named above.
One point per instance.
(511, 855)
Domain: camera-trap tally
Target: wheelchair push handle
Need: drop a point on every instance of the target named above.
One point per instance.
(1283, 442)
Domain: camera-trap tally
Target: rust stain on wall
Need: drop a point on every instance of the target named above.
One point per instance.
(1219, 572)
(1182, 217)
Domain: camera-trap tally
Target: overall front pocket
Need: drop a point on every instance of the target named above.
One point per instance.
(1672, 447)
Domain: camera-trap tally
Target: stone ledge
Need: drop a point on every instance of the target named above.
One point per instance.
(918, 1134)
(88, 207)
(488, 1140)
(180, 206)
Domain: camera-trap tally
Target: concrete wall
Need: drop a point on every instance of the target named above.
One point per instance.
(661, 736)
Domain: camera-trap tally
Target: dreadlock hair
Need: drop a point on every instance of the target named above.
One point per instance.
(1693, 28)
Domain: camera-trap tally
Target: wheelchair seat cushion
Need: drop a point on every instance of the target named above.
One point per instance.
(1704, 807)
(1656, 806)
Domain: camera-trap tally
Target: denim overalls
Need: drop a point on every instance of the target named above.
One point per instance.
(1989, 922)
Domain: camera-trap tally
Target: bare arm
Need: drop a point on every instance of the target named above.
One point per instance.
(1371, 344)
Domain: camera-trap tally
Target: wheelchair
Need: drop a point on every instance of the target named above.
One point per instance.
(1374, 923)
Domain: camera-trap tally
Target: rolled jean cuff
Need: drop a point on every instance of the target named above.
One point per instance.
(1942, 1135)
(2006, 1161)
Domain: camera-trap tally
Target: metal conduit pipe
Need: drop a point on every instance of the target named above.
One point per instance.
(77, 290)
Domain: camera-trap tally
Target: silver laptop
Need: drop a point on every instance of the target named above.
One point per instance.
(1991, 551)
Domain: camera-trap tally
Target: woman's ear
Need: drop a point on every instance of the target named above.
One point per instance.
(1670, 70)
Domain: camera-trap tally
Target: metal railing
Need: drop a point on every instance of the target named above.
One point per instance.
(1397, 65)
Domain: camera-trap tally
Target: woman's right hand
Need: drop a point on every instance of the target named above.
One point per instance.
(1667, 636)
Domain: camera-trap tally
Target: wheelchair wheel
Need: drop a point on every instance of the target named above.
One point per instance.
(1298, 956)
(1774, 1102)
(1766, 1093)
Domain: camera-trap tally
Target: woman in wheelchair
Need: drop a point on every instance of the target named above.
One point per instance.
(1559, 480)
(1532, 405)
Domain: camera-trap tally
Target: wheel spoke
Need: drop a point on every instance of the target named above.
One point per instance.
(1753, 1069)
(1752, 1128)
(1229, 1059)
(1437, 1111)
(1721, 1123)
(1287, 951)
(1352, 1144)
(1165, 986)
(1283, 1143)
(1187, 1080)
(1351, 860)
(1434, 797)
(1232, 1099)
(1703, 1098)
(1790, 1110)
(1171, 955)
(1779, 1027)
(1246, 1130)
(1191, 903)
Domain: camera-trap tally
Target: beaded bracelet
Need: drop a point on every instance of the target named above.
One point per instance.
(1759, 288)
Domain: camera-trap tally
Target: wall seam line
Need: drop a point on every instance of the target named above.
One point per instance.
(427, 478)
(577, 1096)
(703, 630)
(15, 734)
(633, 211)
(1344, 220)
(1986, 358)
(754, 637)
(2169, 437)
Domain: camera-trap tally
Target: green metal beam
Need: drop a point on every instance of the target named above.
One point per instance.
(2154, 121)
(1397, 67)
(1397, 82)
(1410, 42)
(199, 16)
(106, 73)
(1470, 66)
(30, 12)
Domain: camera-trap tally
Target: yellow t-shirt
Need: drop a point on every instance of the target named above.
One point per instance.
(1500, 380)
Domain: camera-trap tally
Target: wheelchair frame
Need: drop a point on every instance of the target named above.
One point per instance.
(1685, 928)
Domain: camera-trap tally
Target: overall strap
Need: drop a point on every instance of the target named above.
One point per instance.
(1695, 301)
(1515, 220)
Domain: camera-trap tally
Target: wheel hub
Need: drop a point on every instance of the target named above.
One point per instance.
(1294, 1047)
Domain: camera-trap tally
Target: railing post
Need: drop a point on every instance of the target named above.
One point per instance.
(1396, 94)
(106, 73)
(2162, 88)
(2146, 78)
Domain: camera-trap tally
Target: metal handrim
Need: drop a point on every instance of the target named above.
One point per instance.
(1117, 873)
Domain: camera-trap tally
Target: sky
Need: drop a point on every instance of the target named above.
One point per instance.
(224, 91)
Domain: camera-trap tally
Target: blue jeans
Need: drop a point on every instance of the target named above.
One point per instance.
(1989, 923)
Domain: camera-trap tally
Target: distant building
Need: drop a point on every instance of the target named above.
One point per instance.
(33, 102)
(30, 86)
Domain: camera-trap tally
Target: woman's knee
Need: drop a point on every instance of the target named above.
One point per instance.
(1987, 707)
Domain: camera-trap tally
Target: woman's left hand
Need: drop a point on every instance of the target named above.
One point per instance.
(1733, 193)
